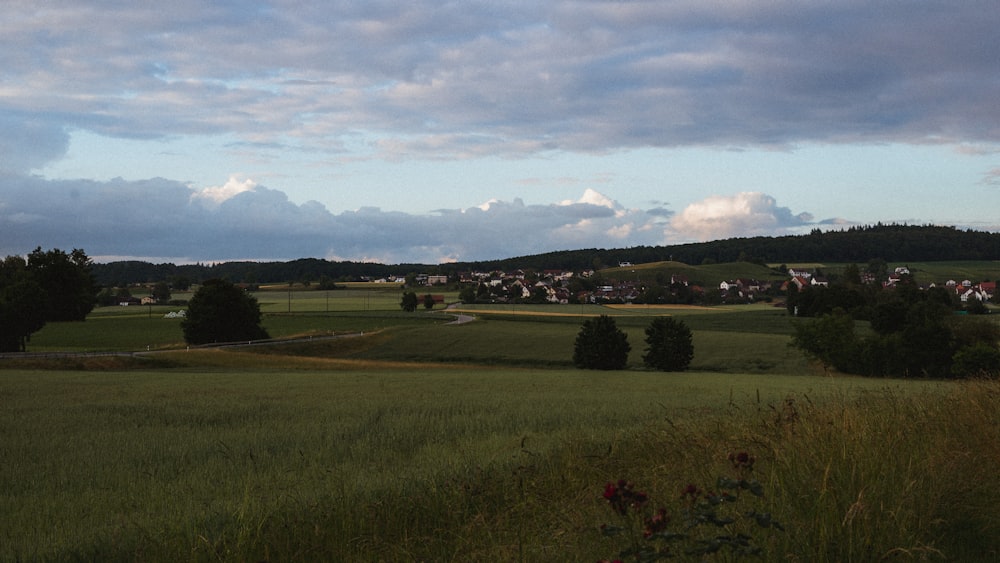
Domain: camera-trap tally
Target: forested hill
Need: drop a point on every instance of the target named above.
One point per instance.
(892, 243)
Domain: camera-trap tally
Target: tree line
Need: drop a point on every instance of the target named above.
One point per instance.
(309, 270)
(893, 243)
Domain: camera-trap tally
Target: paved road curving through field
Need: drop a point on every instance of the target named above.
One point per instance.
(460, 318)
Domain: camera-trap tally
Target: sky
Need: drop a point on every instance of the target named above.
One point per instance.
(432, 131)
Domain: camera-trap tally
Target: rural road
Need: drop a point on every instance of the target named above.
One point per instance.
(460, 318)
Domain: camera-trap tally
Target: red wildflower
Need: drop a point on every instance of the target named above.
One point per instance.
(742, 460)
(621, 496)
(691, 491)
(656, 523)
(610, 491)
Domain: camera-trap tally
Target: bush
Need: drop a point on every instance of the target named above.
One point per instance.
(669, 345)
(980, 360)
(601, 345)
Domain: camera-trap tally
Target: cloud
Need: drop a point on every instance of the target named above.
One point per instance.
(740, 215)
(992, 177)
(241, 219)
(318, 84)
(28, 142)
(213, 196)
(461, 80)
(593, 197)
(165, 220)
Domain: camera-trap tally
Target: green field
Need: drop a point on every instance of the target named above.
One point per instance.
(422, 440)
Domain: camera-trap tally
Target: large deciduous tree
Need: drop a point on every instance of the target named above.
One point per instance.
(22, 305)
(161, 292)
(829, 340)
(601, 345)
(66, 279)
(409, 301)
(669, 345)
(222, 312)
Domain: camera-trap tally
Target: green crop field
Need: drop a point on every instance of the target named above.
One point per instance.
(313, 313)
(410, 438)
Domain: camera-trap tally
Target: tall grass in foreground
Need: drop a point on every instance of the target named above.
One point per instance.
(484, 466)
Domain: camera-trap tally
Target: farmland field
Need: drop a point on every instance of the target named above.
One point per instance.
(413, 439)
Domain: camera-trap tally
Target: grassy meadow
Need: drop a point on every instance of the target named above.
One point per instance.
(422, 440)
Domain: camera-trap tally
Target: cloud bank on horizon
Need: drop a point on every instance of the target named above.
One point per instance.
(189, 130)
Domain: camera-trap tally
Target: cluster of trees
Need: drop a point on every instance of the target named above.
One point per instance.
(410, 301)
(45, 286)
(901, 331)
(602, 345)
(54, 286)
(909, 333)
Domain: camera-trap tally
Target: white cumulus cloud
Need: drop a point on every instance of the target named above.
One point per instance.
(738, 215)
(594, 197)
(213, 196)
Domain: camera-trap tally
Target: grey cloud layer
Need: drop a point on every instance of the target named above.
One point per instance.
(432, 80)
(470, 78)
(161, 218)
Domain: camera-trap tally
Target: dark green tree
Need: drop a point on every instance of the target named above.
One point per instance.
(325, 283)
(106, 298)
(222, 312)
(601, 345)
(66, 279)
(792, 299)
(669, 345)
(928, 341)
(539, 295)
(467, 295)
(180, 283)
(409, 301)
(878, 269)
(428, 301)
(852, 275)
(22, 310)
(161, 292)
(483, 292)
(976, 307)
(830, 340)
(889, 317)
(980, 360)
(970, 331)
